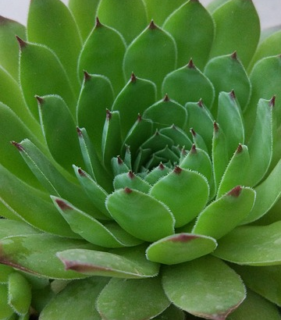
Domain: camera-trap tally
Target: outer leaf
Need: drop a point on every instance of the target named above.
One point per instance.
(35, 254)
(139, 214)
(75, 301)
(180, 248)
(224, 214)
(8, 227)
(151, 47)
(122, 263)
(58, 31)
(252, 245)
(190, 194)
(237, 28)
(131, 181)
(193, 30)
(121, 14)
(103, 53)
(204, 287)
(128, 299)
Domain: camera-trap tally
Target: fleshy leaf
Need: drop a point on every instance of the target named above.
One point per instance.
(252, 245)
(139, 214)
(5, 310)
(180, 248)
(204, 287)
(181, 182)
(80, 293)
(151, 47)
(157, 173)
(127, 263)
(224, 214)
(237, 28)
(128, 299)
(103, 53)
(121, 14)
(192, 19)
(131, 181)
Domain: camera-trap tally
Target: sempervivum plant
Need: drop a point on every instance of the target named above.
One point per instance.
(140, 162)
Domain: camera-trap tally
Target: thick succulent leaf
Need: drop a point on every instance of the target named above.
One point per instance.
(59, 131)
(267, 194)
(165, 113)
(204, 287)
(131, 181)
(127, 17)
(261, 142)
(224, 214)
(137, 95)
(139, 214)
(32, 205)
(254, 307)
(265, 281)
(193, 30)
(58, 31)
(190, 194)
(12, 227)
(180, 248)
(151, 47)
(9, 55)
(103, 53)
(252, 245)
(171, 312)
(19, 297)
(128, 299)
(75, 301)
(91, 229)
(13, 129)
(36, 254)
(236, 171)
(159, 16)
(38, 63)
(96, 96)
(227, 73)
(178, 135)
(6, 310)
(111, 137)
(121, 263)
(157, 173)
(237, 29)
(188, 84)
(84, 15)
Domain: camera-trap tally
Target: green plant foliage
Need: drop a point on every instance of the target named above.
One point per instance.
(140, 162)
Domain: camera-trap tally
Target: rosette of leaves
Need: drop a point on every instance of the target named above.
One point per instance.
(140, 162)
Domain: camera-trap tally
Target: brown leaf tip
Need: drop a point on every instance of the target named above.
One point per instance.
(79, 132)
(98, 23)
(193, 132)
(139, 119)
(152, 25)
(21, 42)
(119, 160)
(234, 55)
(108, 115)
(81, 172)
(133, 78)
(193, 148)
(235, 192)
(183, 237)
(200, 103)
(131, 175)
(62, 205)
(17, 145)
(272, 101)
(166, 98)
(239, 148)
(128, 190)
(161, 166)
(177, 170)
(87, 76)
(190, 64)
(216, 126)
(232, 95)
(40, 100)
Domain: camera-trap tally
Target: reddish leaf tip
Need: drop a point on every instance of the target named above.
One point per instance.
(193, 148)
(161, 166)
(232, 95)
(81, 172)
(191, 65)
(131, 175)
(152, 25)
(40, 100)
(272, 101)
(235, 192)
(193, 132)
(177, 170)
(108, 115)
(200, 103)
(234, 55)
(62, 205)
(139, 119)
(119, 160)
(128, 190)
(239, 148)
(183, 237)
(133, 78)
(17, 145)
(98, 23)
(166, 98)
(216, 126)
(79, 132)
(87, 76)
(21, 42)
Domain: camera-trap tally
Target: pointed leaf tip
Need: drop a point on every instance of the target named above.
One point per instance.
(191, 65)
(235, 192)
(81, 172)
(133, 77)
(272, 101)
(200, 103)
(87, 76)
(40, 100)
(152, 25)
(62, 204)
(216, 127)
(183, 237)
(119, 160)
(193, 149)
(161, 166)
(98, 24)
(232, 95)
(239, 148)
(131, 175)
(128, 190)
(80, 134)
(234, 55)
(193, 132)
(177, 170)
(21, 42)
(17, 145)
(108, 115)
(166, 98)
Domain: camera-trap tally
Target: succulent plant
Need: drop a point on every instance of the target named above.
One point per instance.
(140, 162)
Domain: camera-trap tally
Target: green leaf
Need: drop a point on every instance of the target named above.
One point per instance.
(12, 227)
(38, 63)
(252, 245)
(139, 214)
(131, 181)
(103, 53)
(36, 254)
(204, 287)
(193, 19)
(96, 96)
(19, 297)
(9, 55)
(59, 131)
(5, 271)
(5, 310)
(224, 214)
(188, 84)
(237, 29)
(129, 299)
(73, 302)
(137, 95)
(181, 182)
(91, 229)
(126, 263)
(127, 17)
(84, 15)
(180, 248)
(157, 173)
(151, 47)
